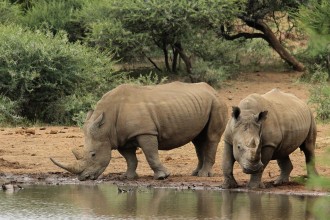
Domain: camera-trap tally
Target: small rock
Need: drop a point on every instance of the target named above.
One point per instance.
(139, 151)
(33, 155)
(230, 98)
(20, 131)
(30, 131)
(167, 158)
(42, 128)
(53, 132)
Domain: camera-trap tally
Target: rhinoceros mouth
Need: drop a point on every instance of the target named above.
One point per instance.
(83, 176)
(252, 169)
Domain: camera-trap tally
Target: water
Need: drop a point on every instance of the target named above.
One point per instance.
(103, 201)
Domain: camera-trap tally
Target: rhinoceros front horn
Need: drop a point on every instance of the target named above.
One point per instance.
(75, 168)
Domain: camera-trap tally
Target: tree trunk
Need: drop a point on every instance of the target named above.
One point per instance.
(175, 59)
(165, 51)
(276, 44)
(185, 58)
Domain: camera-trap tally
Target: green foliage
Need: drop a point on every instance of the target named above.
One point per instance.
(135, 29)
(313, 18)
(55, 16)
(9, 13)
(320, 93)
(40, 71)
(321, 208)
(8, 112)
(207, 72)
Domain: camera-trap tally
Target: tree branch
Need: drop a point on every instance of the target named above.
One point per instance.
(151, 61)
(245, 35)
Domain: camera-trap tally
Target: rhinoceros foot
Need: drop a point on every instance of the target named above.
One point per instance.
(255, 185)
(281, 180)
(161, 175)
(229, 183)
(205, 173)
(129, 176)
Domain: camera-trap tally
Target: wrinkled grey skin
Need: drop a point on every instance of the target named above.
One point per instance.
(154, 118)
(268, 127)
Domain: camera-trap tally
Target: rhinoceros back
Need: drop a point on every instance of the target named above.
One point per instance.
(293, 117)
(175, 112)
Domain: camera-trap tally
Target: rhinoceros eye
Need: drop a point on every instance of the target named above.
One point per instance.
(93, 154)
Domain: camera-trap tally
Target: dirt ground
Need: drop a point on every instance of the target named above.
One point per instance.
(25, 152)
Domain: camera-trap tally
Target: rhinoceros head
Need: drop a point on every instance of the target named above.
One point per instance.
(97, 151)
(247, 139)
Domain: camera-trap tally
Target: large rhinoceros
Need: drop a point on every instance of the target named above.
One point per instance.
(268, 127)
(154, 118)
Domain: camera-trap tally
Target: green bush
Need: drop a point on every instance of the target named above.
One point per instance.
(8, 112)
(55, 16)
(320, 93)
(313, 18)
(106, 32)
(9, 13)
(44, 73)
(204, 71)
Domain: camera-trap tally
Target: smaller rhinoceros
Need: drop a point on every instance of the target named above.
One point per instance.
(154, 118)
(268, 127)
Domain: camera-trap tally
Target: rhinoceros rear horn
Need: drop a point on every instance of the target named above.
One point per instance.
(75, 168)
(97, 123)
(78, 155)
(89, 114)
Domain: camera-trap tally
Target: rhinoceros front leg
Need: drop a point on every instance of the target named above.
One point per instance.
(266, 156)
(286, 168)
(130, 156)
(228, 161)
(149, 146)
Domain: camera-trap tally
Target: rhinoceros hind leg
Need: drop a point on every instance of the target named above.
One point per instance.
(308, 148)
(132, 162)
(149, 146)
(206, 151)
(286, 168)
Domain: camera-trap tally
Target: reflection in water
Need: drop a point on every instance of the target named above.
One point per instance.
(103, 202)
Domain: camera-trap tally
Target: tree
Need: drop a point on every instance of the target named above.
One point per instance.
(262, 15)
(313, 18)
(166, 23)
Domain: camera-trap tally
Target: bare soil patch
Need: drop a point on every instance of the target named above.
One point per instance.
(25, 152)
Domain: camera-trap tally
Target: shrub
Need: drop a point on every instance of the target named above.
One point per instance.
(313, 18)
(40, 72)
(320, 93)
(204, 71)
(9, 13)
(55, 16)
(8, 112)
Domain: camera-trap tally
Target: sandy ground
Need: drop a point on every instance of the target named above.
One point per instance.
(25, 152)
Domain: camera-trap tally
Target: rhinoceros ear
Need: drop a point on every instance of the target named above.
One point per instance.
(236, 112)
(261, 116)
